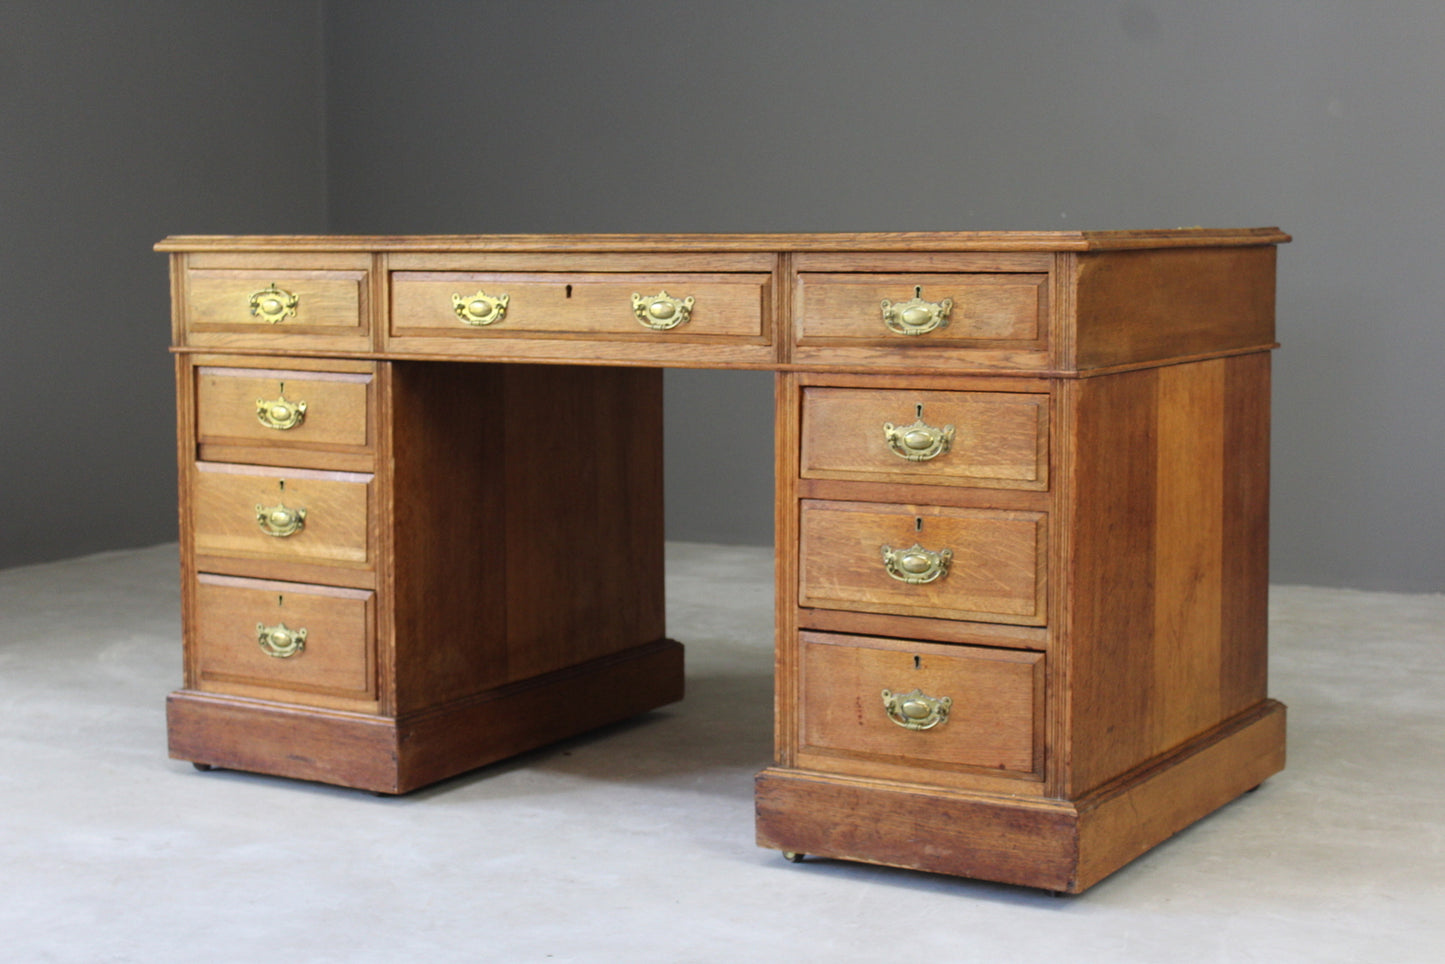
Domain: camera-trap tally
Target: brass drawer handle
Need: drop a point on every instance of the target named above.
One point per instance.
(279, 520)
(916, 316)
(480, 309)
(918, 442)
(662, 311)
(280, 640)
(916, 565)
(280, 413)
(917, 711)
(274, 305)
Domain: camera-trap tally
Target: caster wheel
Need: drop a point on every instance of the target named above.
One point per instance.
(793, 857)
(203, 767)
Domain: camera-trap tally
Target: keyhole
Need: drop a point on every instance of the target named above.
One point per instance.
(918, 291)
(280, 600)
(282, 484)
(918, 524)
(917, 662)
(569, 291)
(919, 410)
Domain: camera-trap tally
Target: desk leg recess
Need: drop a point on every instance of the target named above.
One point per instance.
(509, 595)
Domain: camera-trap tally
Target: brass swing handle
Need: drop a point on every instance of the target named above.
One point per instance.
(918, 442)
(281, 641)
(280, 413)
(916, 316)
(274, 305)
(916, 710)
(280, 520)
(662, 312)
(480, 309)
(916, 565)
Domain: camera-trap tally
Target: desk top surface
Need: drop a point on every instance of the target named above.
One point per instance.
(863, 241)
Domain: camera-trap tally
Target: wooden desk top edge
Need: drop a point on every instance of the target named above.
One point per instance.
(831, 242)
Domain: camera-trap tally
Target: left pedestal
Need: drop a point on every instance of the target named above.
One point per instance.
(395, 572)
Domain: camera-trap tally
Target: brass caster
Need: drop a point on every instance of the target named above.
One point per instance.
(793, 856)
(203, 767)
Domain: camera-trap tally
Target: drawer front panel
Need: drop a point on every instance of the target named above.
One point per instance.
(723, 306)
(977, 564)
(986, 310)
(243, 510)
(290, 409)
(335, 657)
(986, 439)
(278, 302)
(947, 707)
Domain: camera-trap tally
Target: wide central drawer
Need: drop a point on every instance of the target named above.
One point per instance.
(953, 563)
(642, 306)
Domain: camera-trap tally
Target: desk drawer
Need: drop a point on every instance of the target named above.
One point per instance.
(293, 515)
(923, 311)
(306, 641)
(501, 304)
(285, 409)
(977, 564)
(986, 439)
(285, 302)
(921, 705)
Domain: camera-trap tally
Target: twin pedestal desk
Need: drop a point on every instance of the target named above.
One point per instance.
(1021, 502)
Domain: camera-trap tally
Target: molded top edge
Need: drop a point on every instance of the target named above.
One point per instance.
(831, 242)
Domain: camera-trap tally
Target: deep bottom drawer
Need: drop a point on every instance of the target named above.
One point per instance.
(283, 640)
(922, 705)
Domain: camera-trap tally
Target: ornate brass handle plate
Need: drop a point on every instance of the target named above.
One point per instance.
(916, 711)
(661, 311)
(480, 309)
(280, 640)
(279, 520)
(280, 413)
(916, 565)
(916, 316)
(274, 305)
(918, 442)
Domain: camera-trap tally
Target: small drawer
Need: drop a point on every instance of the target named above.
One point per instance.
(984, 439)
(296, 515)
(983, 310)
(627, 306)
(283, 409)
(921, 705)
(308, 641)
(951, 563)
(299, 301)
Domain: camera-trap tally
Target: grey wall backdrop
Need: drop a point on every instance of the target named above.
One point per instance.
(124, 122)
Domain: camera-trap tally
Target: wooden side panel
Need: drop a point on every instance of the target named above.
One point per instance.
(448, 509)
(1166, 632)
(1139, 306)
(582, 449)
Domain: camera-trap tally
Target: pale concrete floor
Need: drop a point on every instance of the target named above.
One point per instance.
(635, 844)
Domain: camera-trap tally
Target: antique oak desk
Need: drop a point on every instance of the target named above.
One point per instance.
(1022, 495)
